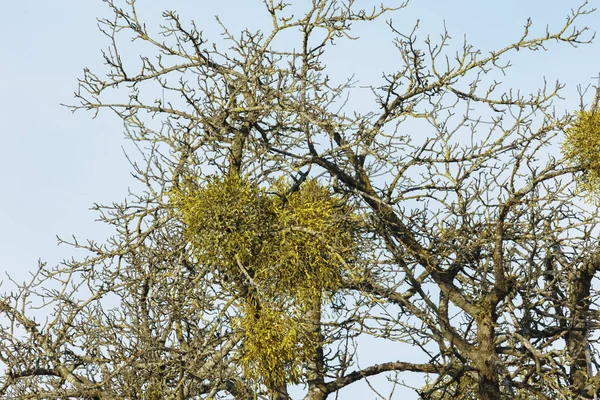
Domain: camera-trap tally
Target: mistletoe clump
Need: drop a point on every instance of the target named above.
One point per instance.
(582, 147)
(275, 346)
(283, 251)
(229, 224)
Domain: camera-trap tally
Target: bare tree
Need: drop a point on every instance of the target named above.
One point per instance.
(466, 239)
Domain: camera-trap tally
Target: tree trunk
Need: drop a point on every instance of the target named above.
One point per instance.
(486, 360)
(577, 338)
(315, 367)
(279, 393)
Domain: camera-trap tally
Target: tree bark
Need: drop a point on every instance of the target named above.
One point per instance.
(316, 366)
(486, 359)
(577, 338)
(279, 393)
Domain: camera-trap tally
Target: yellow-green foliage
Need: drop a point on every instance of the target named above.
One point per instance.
(282, 254)
(275, 348)
(153, 392)
(227, 222)
(315, 236)
(582, 146)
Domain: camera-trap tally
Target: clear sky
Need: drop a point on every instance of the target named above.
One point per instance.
(54, 165)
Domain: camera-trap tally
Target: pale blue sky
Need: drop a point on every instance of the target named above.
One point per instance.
(55, 165)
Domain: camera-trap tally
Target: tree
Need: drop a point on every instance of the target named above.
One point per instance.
(277, 229)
